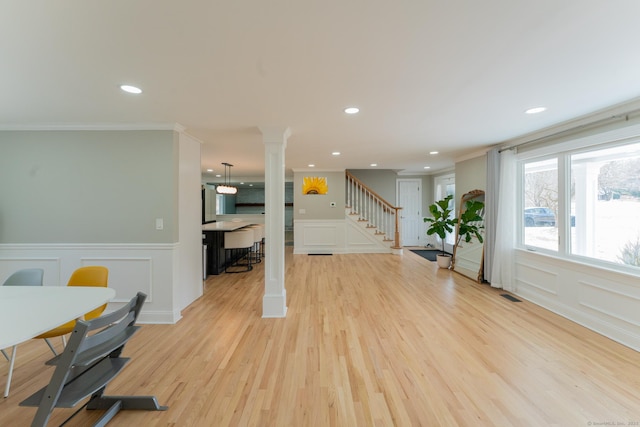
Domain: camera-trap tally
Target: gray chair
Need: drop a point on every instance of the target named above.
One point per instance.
(26, 277)
(91, 359)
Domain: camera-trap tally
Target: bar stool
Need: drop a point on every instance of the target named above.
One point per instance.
(263, 240)
(258, 235)
(238, 241)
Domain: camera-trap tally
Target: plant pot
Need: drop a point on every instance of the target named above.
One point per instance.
(443, 260)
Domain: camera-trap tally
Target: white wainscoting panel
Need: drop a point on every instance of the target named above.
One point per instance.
(364, 240)
(127, 276)
(147, 268)
(610, 303)
(537, 276)
(322, 235)
(600, 299)
(335, 236)
(312, 237)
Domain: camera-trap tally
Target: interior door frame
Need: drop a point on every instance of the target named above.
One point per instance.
(439, 192)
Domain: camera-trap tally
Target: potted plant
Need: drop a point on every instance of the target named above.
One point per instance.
(443, 222)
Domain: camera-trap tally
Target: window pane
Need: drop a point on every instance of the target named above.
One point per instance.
(450, 189)
(541, 204)
(445, 186)
(605, 204)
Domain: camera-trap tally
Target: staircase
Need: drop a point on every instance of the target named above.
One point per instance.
(370, 225)
(367, 211)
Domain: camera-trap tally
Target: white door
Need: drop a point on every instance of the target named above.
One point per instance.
(410, 200)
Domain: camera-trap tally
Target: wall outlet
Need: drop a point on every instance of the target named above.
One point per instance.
(159, 224)
(302, 211)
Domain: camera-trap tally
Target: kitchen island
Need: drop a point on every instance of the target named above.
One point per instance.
(213, 238)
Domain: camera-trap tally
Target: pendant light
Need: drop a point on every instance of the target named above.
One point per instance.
(226, 188)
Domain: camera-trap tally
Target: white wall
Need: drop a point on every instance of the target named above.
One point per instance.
(188, 285)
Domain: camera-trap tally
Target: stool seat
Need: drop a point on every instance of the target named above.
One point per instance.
(234, 243)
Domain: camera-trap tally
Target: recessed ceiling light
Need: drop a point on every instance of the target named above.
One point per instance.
(351, 110)
(433, 152)
(218, 176)
(335, 153)
(312, 165)
(373, 165)
(250, 185)
(131, 89)
(242, 183)
(209, 170)
(427, 167)
(535, 110)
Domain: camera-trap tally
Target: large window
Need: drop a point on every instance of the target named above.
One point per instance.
(605, 204)
(541, 204)
(584, 203)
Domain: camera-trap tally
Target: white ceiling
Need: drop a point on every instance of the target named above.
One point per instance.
(452, 76)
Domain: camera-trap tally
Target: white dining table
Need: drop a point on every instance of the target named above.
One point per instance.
(28, 311)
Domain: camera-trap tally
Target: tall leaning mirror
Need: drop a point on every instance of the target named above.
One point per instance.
(468, 250)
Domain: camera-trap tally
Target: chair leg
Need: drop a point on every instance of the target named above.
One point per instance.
(256, 253)
(10, 374)
(51, 346)
(6, 356)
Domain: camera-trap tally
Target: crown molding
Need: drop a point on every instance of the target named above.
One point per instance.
(474, 154)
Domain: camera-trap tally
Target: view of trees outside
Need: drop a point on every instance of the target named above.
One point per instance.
(541, 191)
(614, 224)
(604, 215)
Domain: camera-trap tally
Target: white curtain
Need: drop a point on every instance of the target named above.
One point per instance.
(491, 210)
(505, 232)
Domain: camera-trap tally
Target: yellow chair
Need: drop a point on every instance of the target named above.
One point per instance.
(83, 276)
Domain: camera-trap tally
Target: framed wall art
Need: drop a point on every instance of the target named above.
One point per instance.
(314, 185)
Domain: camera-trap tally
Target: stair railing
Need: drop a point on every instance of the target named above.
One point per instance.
(373, 209)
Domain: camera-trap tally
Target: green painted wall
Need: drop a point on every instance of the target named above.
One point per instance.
(318, 206)
(88, 186)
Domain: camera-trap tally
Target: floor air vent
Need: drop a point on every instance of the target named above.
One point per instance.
(510, 298)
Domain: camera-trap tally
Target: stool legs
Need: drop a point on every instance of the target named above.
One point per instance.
(236, 243)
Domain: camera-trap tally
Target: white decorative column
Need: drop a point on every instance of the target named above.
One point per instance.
(274, 302)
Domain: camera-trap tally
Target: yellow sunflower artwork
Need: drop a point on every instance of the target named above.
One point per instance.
(314, 185)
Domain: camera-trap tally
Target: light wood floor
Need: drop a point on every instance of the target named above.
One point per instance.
(369, 340)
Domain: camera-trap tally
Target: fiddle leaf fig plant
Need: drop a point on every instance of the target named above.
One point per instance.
(470, 223)
(443, 221)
